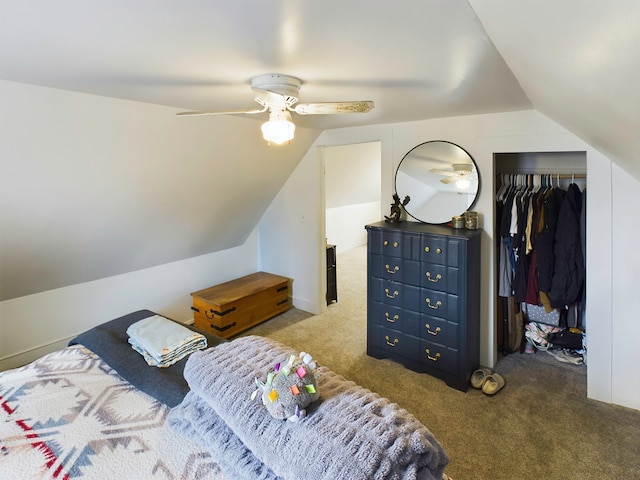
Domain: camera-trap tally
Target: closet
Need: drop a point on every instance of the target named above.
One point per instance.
(540, 251)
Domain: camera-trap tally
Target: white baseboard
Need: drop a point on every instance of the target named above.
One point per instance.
(20, 359)
(303, 305)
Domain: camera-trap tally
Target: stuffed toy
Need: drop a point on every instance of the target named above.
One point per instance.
(290, 388)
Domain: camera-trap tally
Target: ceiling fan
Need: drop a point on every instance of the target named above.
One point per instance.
(278, 94)
(460, 173)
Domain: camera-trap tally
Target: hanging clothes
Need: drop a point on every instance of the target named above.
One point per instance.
(541, 255)
(569, 269)
(545, 242)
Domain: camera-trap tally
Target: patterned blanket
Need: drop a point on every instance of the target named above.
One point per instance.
(69, 415)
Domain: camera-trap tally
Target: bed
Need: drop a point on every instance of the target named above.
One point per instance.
(96, 410)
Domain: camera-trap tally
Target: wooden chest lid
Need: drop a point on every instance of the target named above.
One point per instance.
(242, 287)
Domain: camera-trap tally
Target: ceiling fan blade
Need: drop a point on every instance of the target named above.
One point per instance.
(333, 107)
(451, 179)
(439, 171)
(249, 111)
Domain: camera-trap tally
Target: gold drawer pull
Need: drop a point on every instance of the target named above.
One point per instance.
(438, 330)
(428, 249)
(390, 319)
(389, 342)
(394, 295)
(395, 269)
(438, 250)
(395, 244)
(437, 278)
(436, 306)
(434, 359)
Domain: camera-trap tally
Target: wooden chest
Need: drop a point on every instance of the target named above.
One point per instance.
(235, 306)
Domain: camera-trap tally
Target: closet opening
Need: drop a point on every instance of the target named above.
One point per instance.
(540, 254)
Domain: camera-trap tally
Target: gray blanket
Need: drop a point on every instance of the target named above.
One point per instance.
(110, 342)
(195, 419)
(350, 432)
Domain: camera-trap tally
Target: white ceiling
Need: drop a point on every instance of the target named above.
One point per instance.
(577, 61)
(415, 59)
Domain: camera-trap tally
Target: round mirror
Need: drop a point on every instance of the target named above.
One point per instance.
(441, 179)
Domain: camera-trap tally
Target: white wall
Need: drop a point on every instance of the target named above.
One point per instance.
(292, 235)
(40, 323)
(611, 377)
(108, 205)
(345, 225)
(93, 187)
(625, 312)
(352, 192)
(298, 210)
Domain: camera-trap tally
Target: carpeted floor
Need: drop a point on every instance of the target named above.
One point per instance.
(540, 426)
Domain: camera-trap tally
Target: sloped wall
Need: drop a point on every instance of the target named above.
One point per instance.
(579, 64)
(33, 325)
(94, 187)
(107, 206)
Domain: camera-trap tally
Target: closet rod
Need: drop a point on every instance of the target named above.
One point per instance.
(569, 175)
(552, 175)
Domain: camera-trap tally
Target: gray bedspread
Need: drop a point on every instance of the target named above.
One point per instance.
(110, 342)
(350, 432)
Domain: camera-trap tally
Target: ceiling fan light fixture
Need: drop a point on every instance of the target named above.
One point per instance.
(463, 183)
(279, 129)
(278, 94)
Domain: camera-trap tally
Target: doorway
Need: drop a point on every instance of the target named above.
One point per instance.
(352, 194)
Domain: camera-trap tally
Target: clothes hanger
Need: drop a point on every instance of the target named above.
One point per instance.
(504, 186)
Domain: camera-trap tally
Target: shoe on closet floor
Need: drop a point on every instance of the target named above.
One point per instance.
(566, 356)
(493, 384)
(479, 377)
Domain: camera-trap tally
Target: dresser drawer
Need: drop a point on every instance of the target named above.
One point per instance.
(395, 293)
(396, 269)
(433, 329)
(396, 318)
(393, 244)
(438, 356)
(394, 342)
(439, 277)
(433, 249)
(443, 251)
(439, 304)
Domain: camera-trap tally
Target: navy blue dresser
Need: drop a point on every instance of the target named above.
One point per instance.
(423, 298)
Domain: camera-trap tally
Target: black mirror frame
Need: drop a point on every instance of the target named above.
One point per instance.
(404, 194)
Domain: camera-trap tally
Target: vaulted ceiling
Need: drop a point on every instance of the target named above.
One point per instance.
(575, 61)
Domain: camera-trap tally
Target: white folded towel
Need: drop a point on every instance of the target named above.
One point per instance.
(163, 342)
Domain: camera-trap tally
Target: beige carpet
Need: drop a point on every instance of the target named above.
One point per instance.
(540, 426)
